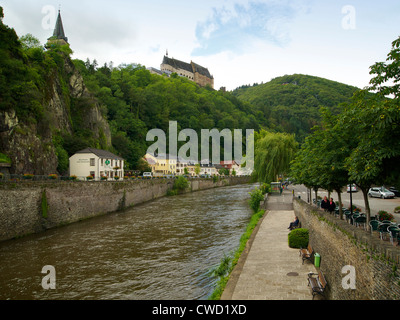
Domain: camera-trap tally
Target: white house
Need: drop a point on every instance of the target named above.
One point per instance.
(96, 163)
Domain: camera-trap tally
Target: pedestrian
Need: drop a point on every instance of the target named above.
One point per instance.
(325, 204)
(280, 190)
(294, 224)
(331, 205)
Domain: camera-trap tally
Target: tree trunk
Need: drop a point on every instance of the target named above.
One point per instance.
(366, 203)
(339, 193)
(316, 196)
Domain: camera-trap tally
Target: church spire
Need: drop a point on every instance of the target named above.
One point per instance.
(59, 29)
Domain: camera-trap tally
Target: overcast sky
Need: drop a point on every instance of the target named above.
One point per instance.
(239, 41)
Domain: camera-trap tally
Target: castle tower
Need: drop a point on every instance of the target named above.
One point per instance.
(58, 34)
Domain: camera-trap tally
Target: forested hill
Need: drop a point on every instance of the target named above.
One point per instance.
(292, 103)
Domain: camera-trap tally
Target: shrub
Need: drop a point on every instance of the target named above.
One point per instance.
(181, 183)
(256, 197)
(298, 238)
(266, 188)
(384, 215)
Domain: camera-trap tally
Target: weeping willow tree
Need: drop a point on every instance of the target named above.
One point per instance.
(273, 155)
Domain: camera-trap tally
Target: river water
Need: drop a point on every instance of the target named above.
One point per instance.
(160, 250)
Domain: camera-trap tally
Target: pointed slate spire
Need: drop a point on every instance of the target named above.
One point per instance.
(59, 29)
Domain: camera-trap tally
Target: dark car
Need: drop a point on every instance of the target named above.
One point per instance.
(395, 191)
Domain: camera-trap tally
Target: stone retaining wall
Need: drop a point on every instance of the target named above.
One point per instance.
(32, 207)
(340, 244)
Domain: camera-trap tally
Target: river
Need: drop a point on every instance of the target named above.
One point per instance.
(160, 250)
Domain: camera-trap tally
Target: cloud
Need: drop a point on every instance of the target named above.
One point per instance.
(234, 28)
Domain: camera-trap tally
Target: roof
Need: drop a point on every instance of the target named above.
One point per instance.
(101, 153)
(177, 64)
(59, 29)
(190, 67)
(203, 71)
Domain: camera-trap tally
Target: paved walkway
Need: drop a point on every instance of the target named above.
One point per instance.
(269, 269)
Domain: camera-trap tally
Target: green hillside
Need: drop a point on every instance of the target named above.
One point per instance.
(291, 103)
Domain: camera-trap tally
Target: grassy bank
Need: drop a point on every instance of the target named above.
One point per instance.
(228, 263)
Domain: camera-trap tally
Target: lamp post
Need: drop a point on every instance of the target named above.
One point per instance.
(351, 199)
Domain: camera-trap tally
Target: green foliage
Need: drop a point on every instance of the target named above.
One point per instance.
(265, 188)
(273, 154)
(28, 42)
(44, 205)
(255, 197)
(4, 158)
(181, 184)
(298, 238)
(291, 103)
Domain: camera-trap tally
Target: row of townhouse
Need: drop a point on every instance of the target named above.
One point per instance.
(165, 164)
(101, 164)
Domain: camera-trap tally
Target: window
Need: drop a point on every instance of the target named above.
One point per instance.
(92, 162)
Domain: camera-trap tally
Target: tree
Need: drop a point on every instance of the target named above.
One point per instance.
(28, 41)
(386, 81)
(273, 155)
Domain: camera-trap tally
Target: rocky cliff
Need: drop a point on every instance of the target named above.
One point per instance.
(30, 141)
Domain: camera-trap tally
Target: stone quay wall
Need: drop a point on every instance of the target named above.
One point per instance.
(33, 207)
(373, 274)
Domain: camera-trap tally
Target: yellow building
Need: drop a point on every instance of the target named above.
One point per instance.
(161, 164)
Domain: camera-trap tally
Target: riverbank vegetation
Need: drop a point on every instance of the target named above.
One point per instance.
(228, 262)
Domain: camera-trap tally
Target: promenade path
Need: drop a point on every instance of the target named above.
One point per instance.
(269, 269)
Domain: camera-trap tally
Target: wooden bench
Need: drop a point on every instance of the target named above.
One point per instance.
(317, 283)
(306, 254)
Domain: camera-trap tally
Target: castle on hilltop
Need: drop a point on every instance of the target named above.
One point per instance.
(192, 71)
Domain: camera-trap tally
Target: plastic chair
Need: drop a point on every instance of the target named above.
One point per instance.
(382, 228)
(354, 217)
(361, 220)
(374, 225)
(393, 232)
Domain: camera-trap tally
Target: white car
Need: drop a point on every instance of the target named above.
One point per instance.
(380, 193)
(147, 175)
(353, 188)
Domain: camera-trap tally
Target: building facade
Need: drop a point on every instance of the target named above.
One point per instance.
(99, 164)
(192, 71)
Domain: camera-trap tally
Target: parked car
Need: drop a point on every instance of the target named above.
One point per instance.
(353, 188)
(147, 175)
(395, 191)
(380, 193)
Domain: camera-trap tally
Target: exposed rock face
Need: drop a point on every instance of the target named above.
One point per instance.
(29, 144)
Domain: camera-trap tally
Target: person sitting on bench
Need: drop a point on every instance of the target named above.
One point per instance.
(294, 224)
